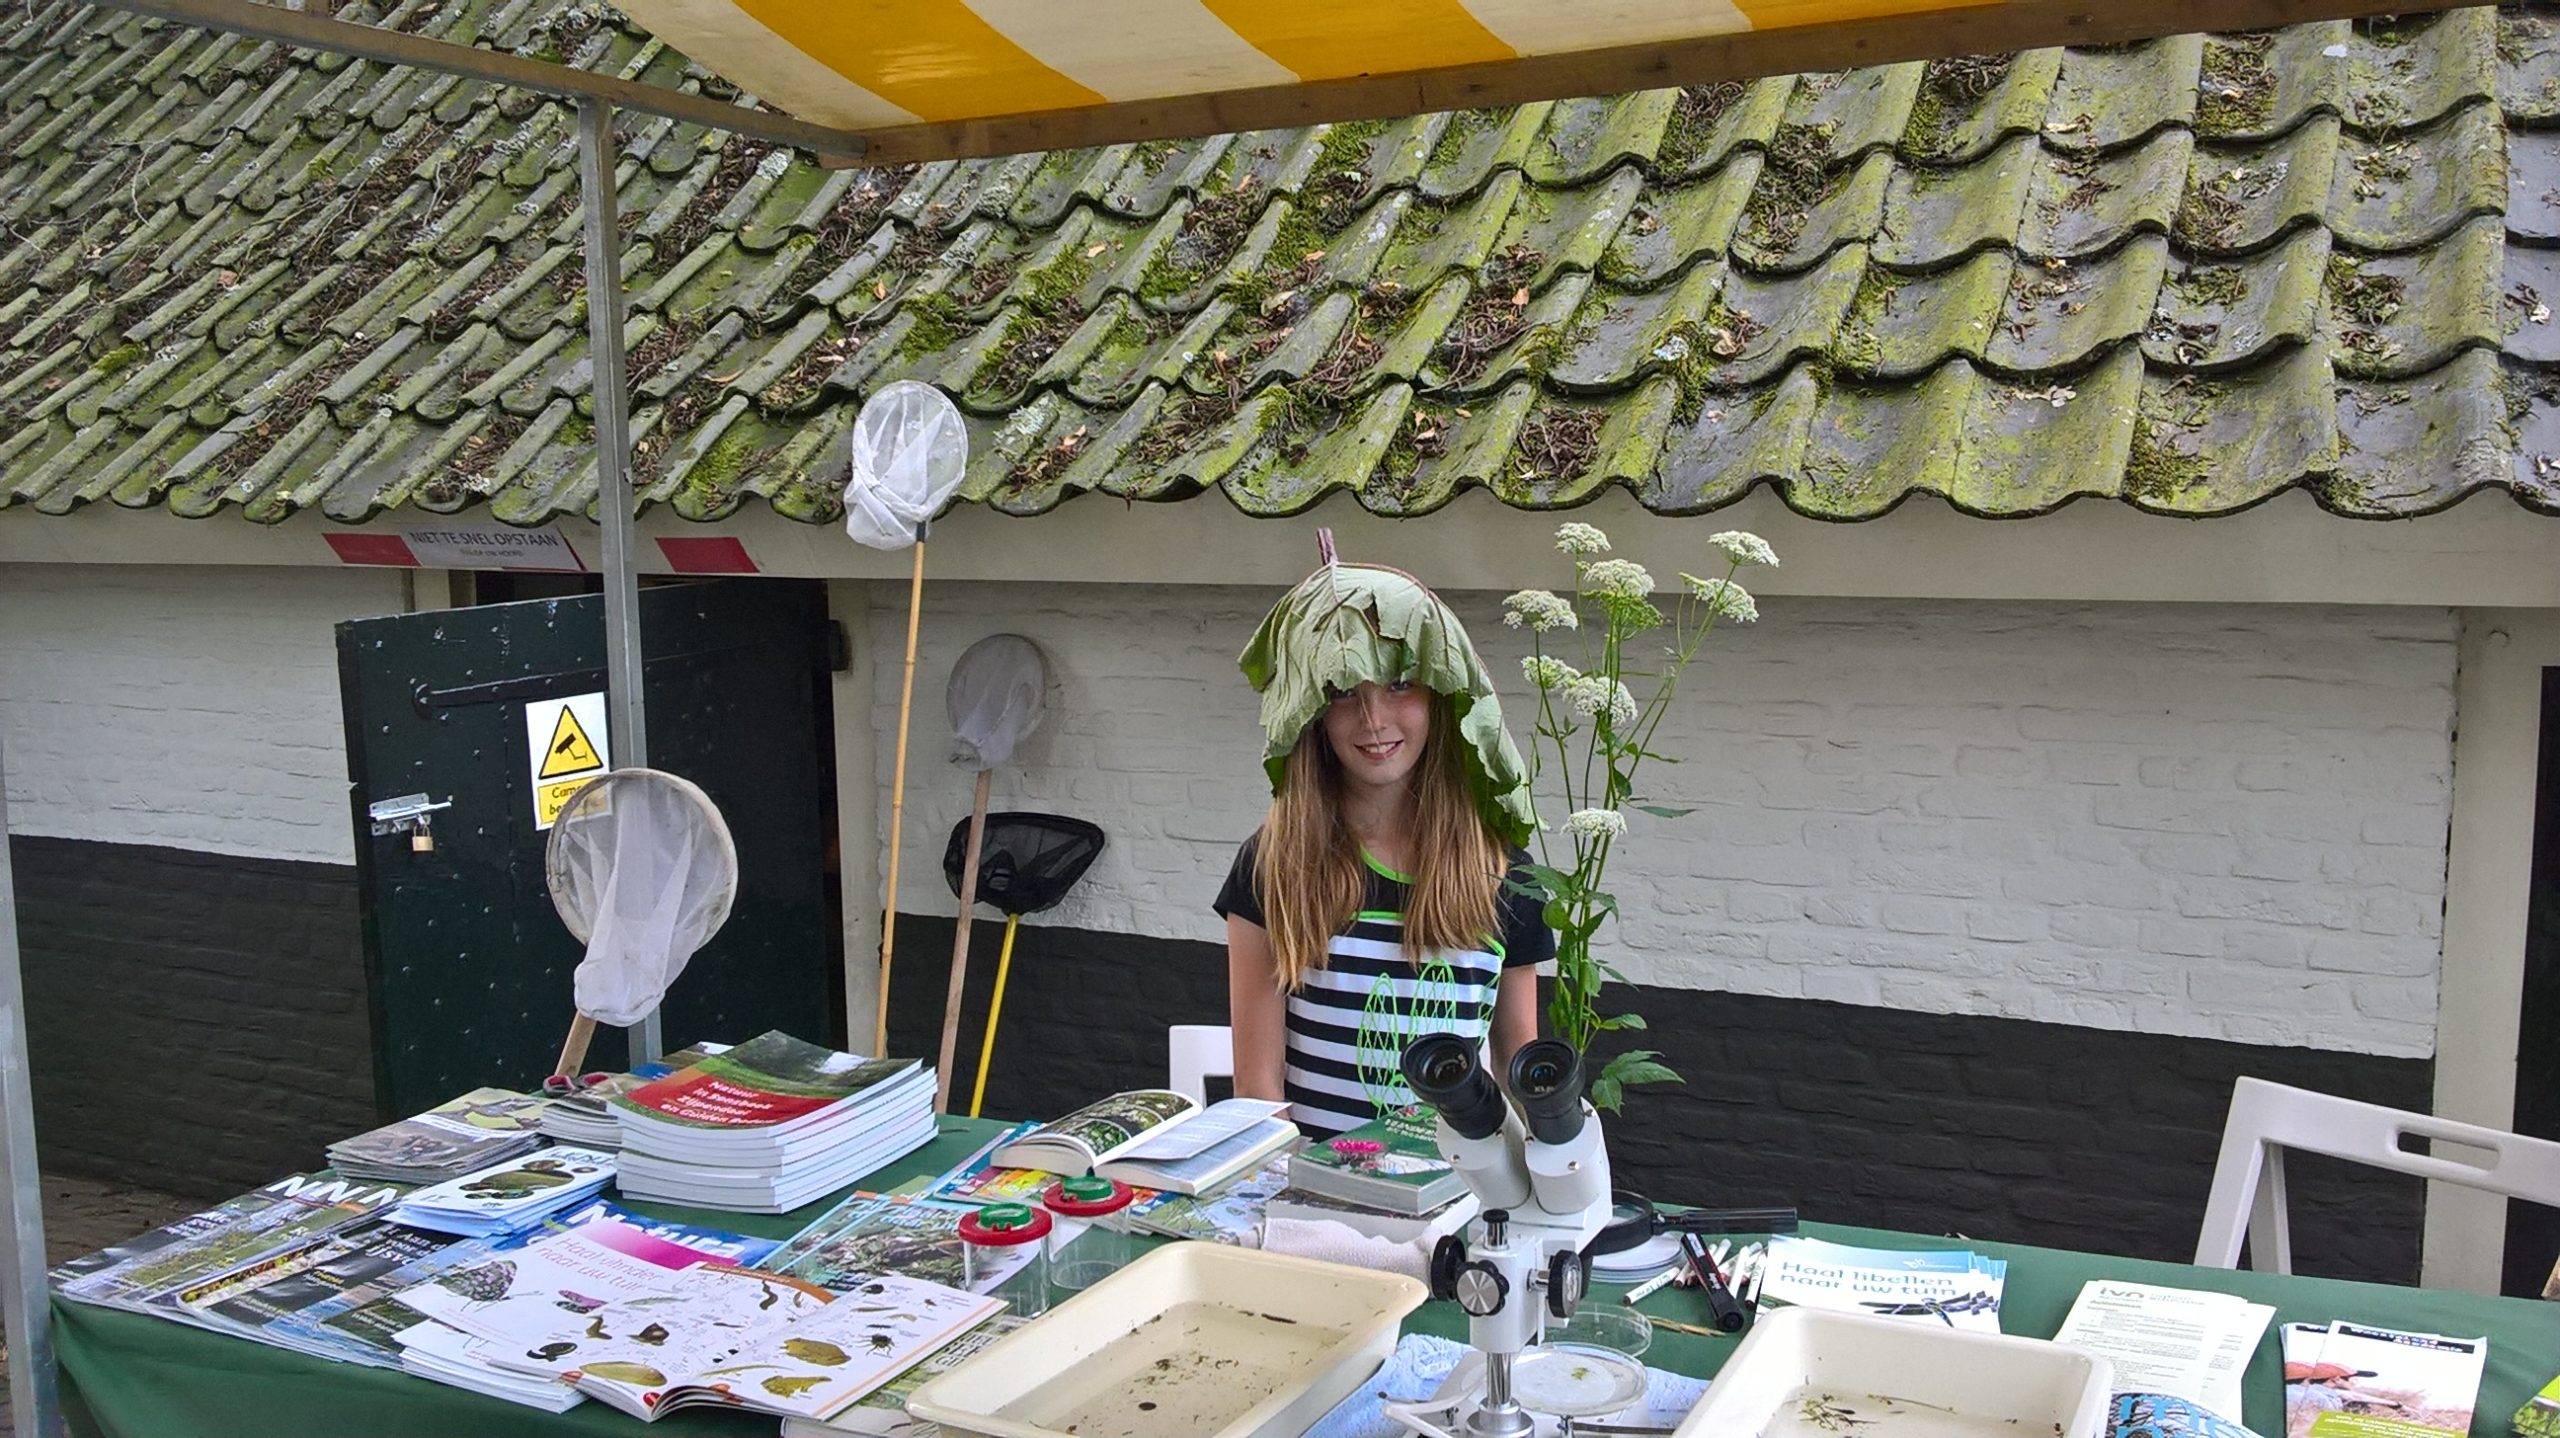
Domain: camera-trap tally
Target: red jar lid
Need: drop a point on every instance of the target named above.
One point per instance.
(1005, 1225)
(1088, 1197)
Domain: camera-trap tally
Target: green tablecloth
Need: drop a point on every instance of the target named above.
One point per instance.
(133, 1377)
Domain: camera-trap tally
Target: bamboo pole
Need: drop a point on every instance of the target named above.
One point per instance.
(898, 805)
(960, 944)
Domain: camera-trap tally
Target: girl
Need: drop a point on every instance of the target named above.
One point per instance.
(1370, 908)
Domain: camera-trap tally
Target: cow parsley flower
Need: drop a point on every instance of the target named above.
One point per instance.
(1596, 694)
(1725, 599)
(1616, 579)
(1547, 673)
(1745, 547)
(1581, 539)
(1538, 610)
(1595, 823)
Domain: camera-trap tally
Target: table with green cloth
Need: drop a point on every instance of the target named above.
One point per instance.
(129, 1376)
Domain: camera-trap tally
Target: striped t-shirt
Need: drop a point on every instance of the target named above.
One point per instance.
(1348, 1024)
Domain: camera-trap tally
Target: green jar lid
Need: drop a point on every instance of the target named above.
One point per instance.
(1005, 1217)
(1087, 1189)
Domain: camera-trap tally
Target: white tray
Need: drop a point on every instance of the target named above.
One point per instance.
(1946, 1383)
(1193, 1340)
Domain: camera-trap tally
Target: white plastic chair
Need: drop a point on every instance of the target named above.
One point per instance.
(1199, 1053)
(2267, 1118)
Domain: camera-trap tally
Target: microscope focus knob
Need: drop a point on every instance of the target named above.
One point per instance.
(1447, 1257)
(1481, 1290)
(1568, 1280)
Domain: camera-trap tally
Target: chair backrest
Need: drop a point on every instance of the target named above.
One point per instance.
(1198, 1053)
(2248, 1198)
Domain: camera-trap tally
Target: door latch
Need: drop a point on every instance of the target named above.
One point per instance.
(410, 814)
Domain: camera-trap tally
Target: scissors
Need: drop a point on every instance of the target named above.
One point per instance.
(565, 1085)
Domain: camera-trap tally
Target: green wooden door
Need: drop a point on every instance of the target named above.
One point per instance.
(468, 966)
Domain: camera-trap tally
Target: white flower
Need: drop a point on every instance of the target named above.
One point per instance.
(1581, 539)
(1725, 599)
(1745, 547)
(1595, 823)
(1547, 673)
(1593, 693)
(1539, 610)
(1616, 579)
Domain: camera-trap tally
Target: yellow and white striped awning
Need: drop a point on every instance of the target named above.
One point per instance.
(929, 78)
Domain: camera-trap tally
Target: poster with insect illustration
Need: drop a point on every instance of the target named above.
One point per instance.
(827, 1360)
(547, 1291)
(631, 1351)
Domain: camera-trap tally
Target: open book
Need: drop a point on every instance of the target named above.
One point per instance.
(1154, 1138)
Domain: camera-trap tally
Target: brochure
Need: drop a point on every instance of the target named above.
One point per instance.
(1957, 1287)
(1231, 1215)
(2347, 1380)
(865, 1237)
(284, 1216)
(2173, 1341)
(482, 1127)
(511, 1196)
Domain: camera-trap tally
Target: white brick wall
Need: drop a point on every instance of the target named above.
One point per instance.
(2220, 821)
(193, 708)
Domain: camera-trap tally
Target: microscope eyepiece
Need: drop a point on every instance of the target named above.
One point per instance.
(1443, 1072)
(1547, 1077)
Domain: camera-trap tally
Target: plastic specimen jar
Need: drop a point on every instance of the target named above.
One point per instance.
(1005, 1247)
(1104, 1247)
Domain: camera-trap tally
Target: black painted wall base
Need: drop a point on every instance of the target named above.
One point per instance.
(1994, 1128)
(196, 1022)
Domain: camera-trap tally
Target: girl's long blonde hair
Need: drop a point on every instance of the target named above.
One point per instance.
(1310, 872)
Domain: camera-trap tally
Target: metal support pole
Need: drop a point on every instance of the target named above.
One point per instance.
(626, 708)
(35, 1398)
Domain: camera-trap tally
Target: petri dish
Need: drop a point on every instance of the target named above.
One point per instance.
(1575, 1380)
(1605, 1325)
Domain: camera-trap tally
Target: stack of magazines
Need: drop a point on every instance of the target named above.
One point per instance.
(509, 1197)
(770, 1125)
(484, 1126)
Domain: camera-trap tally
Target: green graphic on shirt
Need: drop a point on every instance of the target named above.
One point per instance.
(1385, 1030)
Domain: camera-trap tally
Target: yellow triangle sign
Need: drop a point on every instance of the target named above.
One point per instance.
(571, 752)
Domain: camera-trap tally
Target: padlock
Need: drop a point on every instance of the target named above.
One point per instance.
(422, 840)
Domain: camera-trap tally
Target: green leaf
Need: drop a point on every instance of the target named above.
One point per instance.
(1625, 1021)
(1606, 1095)
(1637, 1066)
(1661, 811)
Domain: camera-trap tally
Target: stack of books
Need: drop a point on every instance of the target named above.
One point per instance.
(1385, 1179)
(585, 1116)
(509, 1197)
(770, 1125)
(484, 1126)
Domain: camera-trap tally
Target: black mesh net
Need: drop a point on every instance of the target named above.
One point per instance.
(1027, 862)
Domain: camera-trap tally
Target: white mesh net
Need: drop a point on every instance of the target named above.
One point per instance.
(999, 693)
(642, 868)
(909, 451)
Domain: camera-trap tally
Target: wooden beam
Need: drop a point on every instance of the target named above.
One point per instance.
(1975, 30)
(393, 47)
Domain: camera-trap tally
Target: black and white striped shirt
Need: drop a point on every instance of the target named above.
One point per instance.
(1348, 1024)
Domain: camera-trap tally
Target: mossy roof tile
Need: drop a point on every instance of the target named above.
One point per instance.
(242, 276)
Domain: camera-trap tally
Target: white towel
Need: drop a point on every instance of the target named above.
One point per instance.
(1414, 1372)
(1332, 1242)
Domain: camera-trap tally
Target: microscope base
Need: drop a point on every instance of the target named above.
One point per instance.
(1597, 1384)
